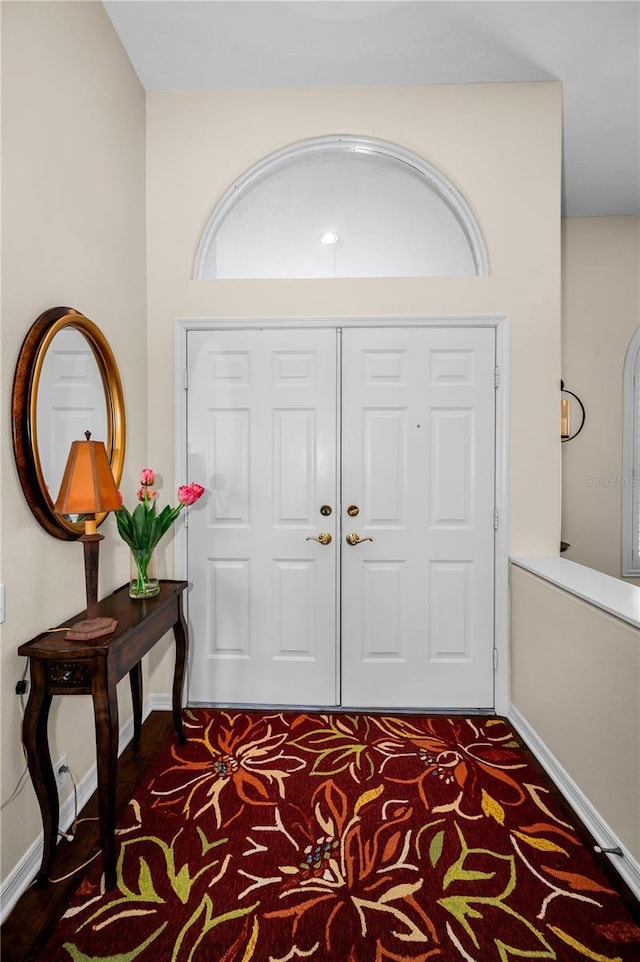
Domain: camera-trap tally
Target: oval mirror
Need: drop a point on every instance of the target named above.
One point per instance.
(66, 382)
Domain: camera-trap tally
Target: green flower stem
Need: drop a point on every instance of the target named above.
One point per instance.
(141, 559)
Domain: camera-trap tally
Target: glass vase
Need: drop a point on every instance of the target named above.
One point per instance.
(143, 582)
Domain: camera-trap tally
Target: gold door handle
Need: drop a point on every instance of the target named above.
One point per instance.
(356, 539)
(323, 538)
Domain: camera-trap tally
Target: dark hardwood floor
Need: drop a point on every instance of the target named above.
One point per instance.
(36, 914)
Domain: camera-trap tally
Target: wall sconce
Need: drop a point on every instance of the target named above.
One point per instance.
(87, 489)
(565, 414)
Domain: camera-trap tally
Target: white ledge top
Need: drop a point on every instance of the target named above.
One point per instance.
(617, 597)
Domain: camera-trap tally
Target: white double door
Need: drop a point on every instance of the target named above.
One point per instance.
(308, 440)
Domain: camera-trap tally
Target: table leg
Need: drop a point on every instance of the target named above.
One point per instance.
(36, 743)
(135, 678)
(105, 702)
(181, 636)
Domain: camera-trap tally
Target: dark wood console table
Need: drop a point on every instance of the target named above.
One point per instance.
(61, 667)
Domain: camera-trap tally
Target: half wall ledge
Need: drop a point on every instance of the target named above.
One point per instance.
(610, 594)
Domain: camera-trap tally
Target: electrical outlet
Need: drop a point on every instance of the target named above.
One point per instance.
(61, 771)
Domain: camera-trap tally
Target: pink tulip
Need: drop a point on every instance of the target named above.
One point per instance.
(121, 496)
(146, 476)
(189, 493)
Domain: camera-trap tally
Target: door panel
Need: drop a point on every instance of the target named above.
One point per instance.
(262, 426)
(418, 451)
(415, 471)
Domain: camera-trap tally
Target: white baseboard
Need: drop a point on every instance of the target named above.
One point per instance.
(158, 703)
(626, 864)
(21, 877)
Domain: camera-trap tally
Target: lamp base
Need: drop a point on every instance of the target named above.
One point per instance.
(91, 628)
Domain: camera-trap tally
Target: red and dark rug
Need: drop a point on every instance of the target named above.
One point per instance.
(347, 838)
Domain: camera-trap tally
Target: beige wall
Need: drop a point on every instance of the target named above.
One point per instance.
(600, 313)
(72, 234)
(499, 144)
(575, 676)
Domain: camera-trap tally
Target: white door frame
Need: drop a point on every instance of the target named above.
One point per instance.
(500, 323)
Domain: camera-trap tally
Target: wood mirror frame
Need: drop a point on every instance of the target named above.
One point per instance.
(24, 408)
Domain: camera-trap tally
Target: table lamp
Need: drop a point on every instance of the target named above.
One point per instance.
(88, 488)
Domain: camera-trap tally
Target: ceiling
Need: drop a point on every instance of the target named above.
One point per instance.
(592, 47)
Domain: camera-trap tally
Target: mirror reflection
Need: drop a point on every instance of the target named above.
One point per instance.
(71, 400)
(66, 382)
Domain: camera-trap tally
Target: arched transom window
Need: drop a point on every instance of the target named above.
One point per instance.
(341, 207)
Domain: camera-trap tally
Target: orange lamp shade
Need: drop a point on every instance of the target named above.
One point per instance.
(87, 486)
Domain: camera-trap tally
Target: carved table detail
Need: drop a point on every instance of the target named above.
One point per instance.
(69, 674)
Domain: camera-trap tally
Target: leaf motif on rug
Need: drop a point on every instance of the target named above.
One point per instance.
(333, 837)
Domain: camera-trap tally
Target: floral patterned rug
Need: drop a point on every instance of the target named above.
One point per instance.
(347, 838)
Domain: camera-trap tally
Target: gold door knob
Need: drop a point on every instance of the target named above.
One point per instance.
(323, 538)
(355, 538)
